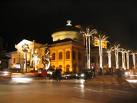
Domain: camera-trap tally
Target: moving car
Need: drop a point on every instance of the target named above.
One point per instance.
(5, 74)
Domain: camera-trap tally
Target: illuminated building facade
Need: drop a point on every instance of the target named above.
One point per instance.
(67, 55)
(67, 52)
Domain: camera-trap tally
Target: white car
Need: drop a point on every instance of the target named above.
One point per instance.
(5, 74)
(20, 78)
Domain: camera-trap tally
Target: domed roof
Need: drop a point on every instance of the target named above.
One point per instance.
(68, 32)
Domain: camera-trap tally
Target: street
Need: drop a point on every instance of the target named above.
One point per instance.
(68, 91)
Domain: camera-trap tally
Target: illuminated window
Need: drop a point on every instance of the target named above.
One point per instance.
(60, 55)
(53, 56)
(60, 66)
(67, 68)
(53, 66)
(68, 55)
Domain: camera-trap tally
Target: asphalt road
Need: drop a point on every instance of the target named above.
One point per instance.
(42, 91)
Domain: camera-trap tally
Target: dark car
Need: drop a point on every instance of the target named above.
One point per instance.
(87, 74)
(70, 76)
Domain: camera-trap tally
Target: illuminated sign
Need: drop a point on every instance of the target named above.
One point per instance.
(104, 43)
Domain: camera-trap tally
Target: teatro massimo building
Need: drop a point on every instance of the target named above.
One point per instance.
(67, 51)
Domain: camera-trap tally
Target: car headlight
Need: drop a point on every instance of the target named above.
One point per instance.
(50, 72)
(82, 75)
(5, 73)
(127, 73)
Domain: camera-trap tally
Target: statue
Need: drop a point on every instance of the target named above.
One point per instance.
(46, 59)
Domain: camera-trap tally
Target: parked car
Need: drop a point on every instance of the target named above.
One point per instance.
(87, 74)
(70, 75)
(50, 73)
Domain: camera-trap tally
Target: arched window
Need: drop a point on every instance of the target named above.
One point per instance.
(60, 66)
(53, 67)
(68, 55)
(53, 56)
(60, 55)
(67, 68)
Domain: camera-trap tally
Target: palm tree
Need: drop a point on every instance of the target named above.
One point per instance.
(100, 38)
(116, 50)
(87, 34)
(109, 57)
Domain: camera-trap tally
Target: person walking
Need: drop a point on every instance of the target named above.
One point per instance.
(57, 74)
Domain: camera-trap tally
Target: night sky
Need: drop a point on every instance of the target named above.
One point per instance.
(38, 19)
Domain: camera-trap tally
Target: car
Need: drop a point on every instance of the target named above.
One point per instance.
(86, 74)
(21, 78)
(70, 76)
(5, 74)
(50, 73)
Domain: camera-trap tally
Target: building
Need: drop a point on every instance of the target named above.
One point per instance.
(67, 52)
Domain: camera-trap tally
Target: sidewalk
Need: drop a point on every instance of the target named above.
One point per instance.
(109, 81)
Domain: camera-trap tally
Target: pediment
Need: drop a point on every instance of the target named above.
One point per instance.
(23, 42)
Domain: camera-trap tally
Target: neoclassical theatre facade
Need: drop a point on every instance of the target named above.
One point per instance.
(67, 51)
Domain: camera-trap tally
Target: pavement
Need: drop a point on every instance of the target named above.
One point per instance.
(113, 82)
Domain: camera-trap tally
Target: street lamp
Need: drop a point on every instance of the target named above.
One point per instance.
(87, 36)
(25, 48)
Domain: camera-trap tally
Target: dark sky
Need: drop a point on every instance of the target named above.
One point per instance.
(37, 19)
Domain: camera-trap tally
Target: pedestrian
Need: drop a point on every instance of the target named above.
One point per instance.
(93, 71)
(44, 73)
(57, 74)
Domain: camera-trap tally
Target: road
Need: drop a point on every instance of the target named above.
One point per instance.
(73, 91)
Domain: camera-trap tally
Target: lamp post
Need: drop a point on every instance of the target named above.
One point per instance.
(87, 36)
(25, 48)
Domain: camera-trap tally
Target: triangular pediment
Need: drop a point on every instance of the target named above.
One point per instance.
(21, 43)
(24, 41)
